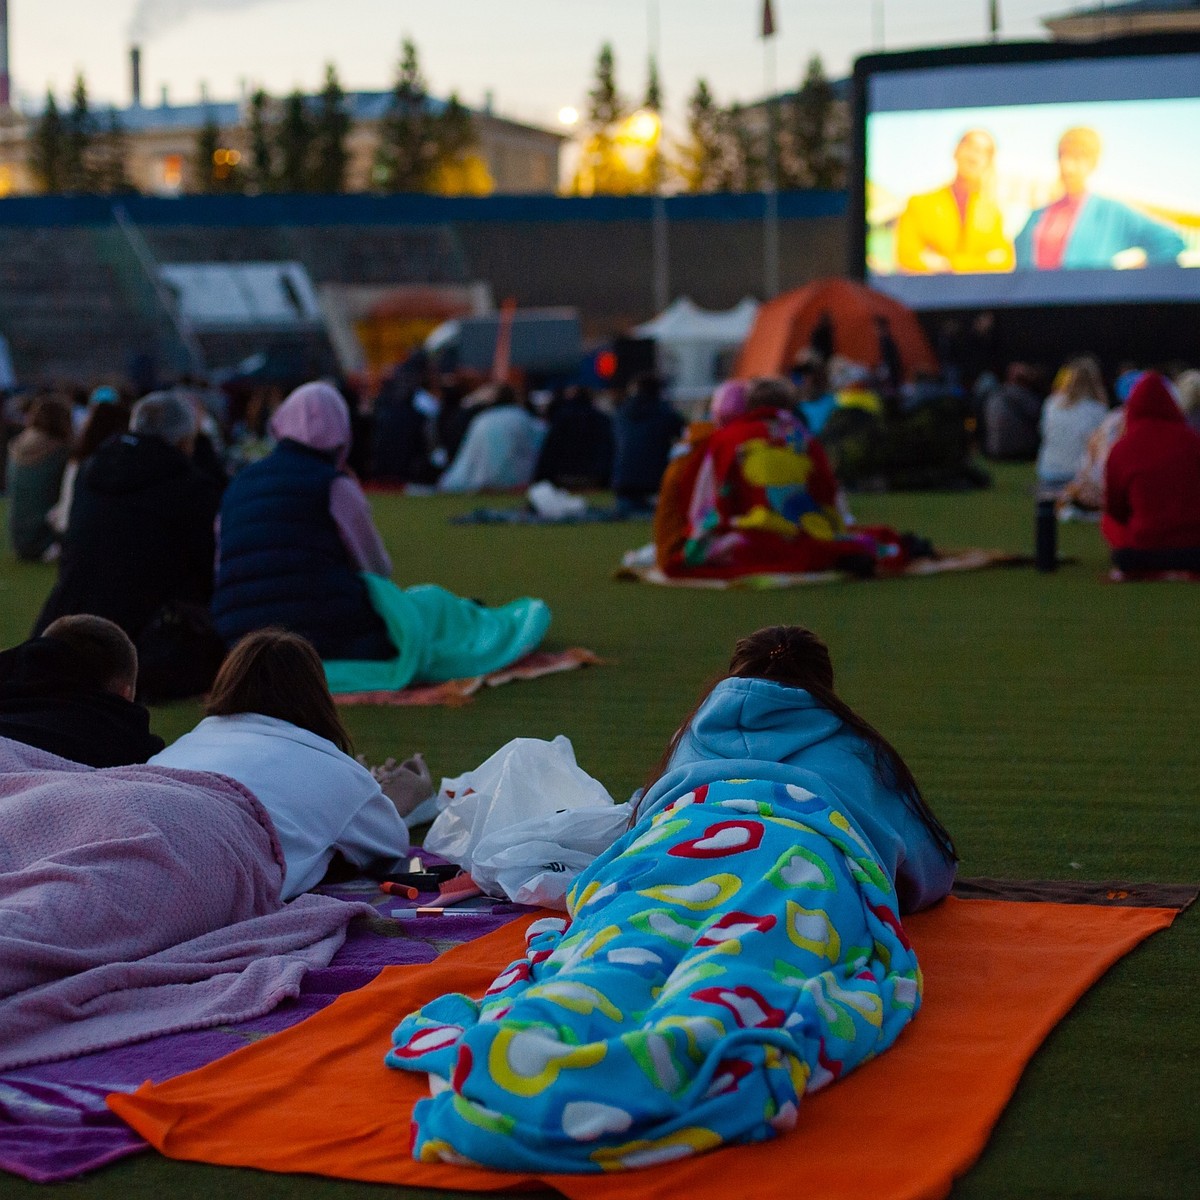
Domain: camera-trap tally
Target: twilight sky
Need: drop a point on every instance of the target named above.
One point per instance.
(535, 56)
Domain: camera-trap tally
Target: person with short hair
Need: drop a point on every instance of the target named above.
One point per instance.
(271, 725)
(71, 692)
(140, 535)
(957, 228)
(1083, 229)
(37, 457)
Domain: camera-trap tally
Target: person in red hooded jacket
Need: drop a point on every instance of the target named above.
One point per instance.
(1152, 485)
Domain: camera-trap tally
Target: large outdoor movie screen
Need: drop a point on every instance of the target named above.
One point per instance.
(1072, 181)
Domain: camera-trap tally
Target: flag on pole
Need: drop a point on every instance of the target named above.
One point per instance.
(768, 20)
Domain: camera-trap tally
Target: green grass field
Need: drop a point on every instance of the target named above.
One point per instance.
(1052, 720)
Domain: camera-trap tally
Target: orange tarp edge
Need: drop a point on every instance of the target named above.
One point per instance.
(999, 975)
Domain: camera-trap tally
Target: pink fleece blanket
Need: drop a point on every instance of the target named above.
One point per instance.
(137, 901)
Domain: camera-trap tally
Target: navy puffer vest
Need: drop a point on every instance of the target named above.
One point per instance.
(283, 563)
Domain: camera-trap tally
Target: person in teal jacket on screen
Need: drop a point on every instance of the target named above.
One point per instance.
(1083, 230)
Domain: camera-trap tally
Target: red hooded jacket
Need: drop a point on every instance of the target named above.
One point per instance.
(1152, 479)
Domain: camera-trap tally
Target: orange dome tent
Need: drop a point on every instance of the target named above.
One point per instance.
(784, 327)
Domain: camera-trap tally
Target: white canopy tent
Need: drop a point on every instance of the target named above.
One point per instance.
(691, 343)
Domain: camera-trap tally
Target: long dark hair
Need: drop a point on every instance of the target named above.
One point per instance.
(103, 421)
(795, 657)
(278, 674)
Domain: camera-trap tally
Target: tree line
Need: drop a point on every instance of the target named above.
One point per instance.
(300, 142)
(725, 148)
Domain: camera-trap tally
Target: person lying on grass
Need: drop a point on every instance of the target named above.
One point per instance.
(272, 726)
(738, 947)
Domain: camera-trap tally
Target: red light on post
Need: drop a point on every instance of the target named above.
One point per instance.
(606, 364)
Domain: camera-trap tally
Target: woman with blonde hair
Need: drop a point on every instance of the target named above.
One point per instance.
(1069, 418)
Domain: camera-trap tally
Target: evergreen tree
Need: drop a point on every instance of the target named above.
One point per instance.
(606, 106)
(459, 170)
(705, 152)
(817, 152)
(261, 168)
(744, 166)
(208, 142)
(295, 142)
(47, 147)
(331, 127)
(603, 169)
(79, 134)
(654, 94)
(111, 155)
(409, 147)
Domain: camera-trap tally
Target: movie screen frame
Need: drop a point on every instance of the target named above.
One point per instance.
(1044, 225)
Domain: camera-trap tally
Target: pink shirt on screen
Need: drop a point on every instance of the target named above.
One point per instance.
(1053, 230)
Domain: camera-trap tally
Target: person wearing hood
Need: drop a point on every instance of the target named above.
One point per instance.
(71, 693)
(37, 458)
(765, 498)
(1152, 485)
(645, 427)
(295, 532)
(139, 537)
(740, 946)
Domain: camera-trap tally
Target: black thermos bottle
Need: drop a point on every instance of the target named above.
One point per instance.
(1046, 537)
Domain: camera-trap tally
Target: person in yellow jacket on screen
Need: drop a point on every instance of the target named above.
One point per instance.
(956, 229)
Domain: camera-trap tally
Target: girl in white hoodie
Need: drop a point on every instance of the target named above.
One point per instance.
(272, 726)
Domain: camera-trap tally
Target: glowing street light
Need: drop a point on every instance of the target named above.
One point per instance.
(643, 127)
(568, 115)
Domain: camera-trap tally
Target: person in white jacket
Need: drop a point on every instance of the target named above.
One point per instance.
(1069, 417)
(271, 725)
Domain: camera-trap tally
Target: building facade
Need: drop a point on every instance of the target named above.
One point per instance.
(161, 146)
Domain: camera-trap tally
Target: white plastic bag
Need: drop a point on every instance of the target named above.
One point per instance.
(535, 862)
(526, 821)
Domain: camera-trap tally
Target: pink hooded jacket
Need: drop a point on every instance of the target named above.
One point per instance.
(315, 415)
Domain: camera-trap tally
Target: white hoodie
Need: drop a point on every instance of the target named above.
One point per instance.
(320, 799)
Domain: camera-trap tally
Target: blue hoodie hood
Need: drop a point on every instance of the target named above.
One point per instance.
(758, 719)
(756, 729)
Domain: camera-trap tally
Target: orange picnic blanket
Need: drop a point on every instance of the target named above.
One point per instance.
(999, 975)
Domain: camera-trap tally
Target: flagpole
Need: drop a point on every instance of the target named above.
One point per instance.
(660, 244)
(771, 198)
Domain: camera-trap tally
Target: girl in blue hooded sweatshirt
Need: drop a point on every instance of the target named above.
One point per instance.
(739, 947)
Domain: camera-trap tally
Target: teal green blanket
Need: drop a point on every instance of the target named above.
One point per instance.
(440, 636)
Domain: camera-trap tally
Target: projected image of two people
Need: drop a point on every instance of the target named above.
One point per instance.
(1014, 193)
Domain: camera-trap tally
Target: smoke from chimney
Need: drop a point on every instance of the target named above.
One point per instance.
(152, 17)
(135, 75)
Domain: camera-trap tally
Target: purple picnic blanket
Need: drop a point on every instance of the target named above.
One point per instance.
(54, 1123)
(138, 901)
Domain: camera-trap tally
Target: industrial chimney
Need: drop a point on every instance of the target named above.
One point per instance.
(5, 81)
(135, 73)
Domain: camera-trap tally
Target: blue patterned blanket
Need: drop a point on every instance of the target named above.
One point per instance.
(738, 949)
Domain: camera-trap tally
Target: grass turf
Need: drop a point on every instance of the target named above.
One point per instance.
(1050, 718)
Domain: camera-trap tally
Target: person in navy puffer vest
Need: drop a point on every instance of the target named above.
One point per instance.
(294, 533)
